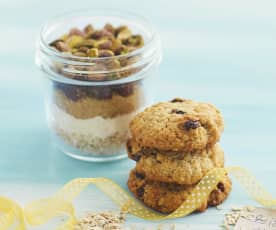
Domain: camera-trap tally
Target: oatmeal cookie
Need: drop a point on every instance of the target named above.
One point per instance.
(166, 198)
(176, 167)
(178, 125)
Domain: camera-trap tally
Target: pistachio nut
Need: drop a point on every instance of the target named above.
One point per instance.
(60, 45)
(105, 53)
(84, 49)
(88, 43)
(75, 31)
(80, 54)
(108, 27)
(134, 40)
(94, 52)
(98, 34)
(74, 41)
(88, 30)
(116, 44)
(122, 50)
(124, 34)
(119, 29)
(103, 44)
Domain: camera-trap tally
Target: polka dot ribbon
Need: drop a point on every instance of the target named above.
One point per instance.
(12, 216)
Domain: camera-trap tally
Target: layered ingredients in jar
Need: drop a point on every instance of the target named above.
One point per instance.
(94, 118)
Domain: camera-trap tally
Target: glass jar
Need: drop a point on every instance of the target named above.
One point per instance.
(91, 100)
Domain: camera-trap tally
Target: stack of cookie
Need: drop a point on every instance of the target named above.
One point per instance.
(174, 145)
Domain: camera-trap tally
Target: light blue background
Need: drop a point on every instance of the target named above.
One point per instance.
(218, 51)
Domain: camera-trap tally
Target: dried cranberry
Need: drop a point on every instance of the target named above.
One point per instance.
(77, 94)
(136, 157)
(129, 147)
(72, 92)
(124, 90)
(177, 100)
(102, 92)
(177, 111)
(221, 186)
(139, 175)
(140, 191)
(191, 124)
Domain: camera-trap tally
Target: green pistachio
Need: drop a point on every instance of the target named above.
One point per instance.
(133, 59)
(53, 43)
(108, 27)
(124, 34)
(94, 52)
(135, 40)
(88, 43)
(100, 34)
(116, 43)
(74, 50)
(60, 45)
(74, 41)
(119, 29)
(84, 49)
(75, 31)
(88, 30)
(103, 44)
(113, 76)
(105, 53)
(80, 54)
(131, 48)
(122, 50)
(114, 64)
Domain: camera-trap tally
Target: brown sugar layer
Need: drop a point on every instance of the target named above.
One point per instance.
(88, 107)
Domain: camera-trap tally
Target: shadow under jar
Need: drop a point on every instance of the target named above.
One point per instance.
(91, 100)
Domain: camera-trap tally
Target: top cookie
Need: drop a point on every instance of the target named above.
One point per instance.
(178, 125)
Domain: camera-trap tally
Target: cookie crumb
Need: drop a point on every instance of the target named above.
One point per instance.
(231, 218)
(249, 208)
(177, 111)
(162, 227)
(104, 221)
(236, 208)
(225, 226)
(173, 227)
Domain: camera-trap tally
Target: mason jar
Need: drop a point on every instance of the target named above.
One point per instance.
(91, 100)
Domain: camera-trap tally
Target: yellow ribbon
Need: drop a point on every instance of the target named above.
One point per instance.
(41, 211)
(12, 215)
